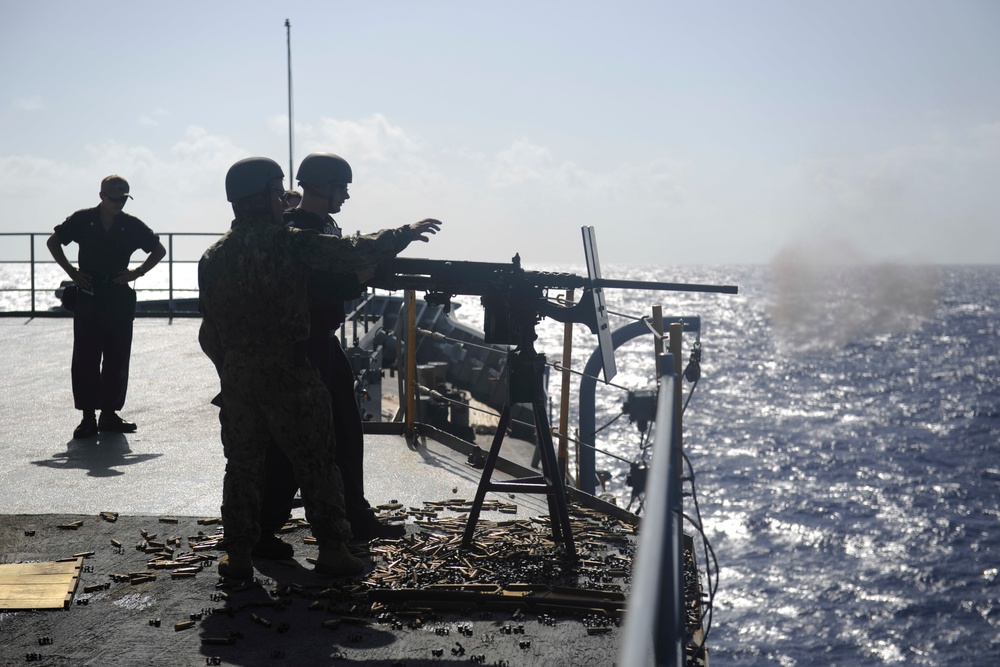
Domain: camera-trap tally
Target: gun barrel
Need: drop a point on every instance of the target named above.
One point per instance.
(481, 278)
(665, 287)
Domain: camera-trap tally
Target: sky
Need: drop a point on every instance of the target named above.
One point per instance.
(701, 132)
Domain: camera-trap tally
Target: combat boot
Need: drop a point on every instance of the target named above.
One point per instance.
(335, 559)
(236, 566)
(272, 547)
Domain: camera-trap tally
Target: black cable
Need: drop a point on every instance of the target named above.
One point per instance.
(709, 606)
(711, 565)
(617, 417)
(690, 394)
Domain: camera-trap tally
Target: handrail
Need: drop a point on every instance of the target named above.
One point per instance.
(166, 273)
(654, 628)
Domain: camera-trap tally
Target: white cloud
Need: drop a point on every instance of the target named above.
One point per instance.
(179, 189)
(524, 196)
(199, 147)
(524, 162)
(383, 156)
(372, 139)
(933, 200)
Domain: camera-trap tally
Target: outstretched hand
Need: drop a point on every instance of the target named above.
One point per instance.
(425, 226)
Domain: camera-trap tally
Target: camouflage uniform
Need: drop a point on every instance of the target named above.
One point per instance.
(327, 293)
(256, 321)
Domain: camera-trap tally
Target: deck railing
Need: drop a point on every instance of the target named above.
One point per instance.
(29, 277)
(654, 630)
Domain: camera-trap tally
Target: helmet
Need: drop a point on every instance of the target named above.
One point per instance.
(318, 169)
(250, 177)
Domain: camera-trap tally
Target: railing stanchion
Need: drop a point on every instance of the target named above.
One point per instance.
(411, 361)
(31, 244)
(563, 453)
(170, 273)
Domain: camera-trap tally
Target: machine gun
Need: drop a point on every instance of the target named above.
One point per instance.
(514, 299)
(514, 302)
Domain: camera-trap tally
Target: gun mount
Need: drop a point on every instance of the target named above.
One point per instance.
(514, 301)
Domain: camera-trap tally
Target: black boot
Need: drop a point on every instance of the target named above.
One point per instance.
(272, 547)
(110, 421)
(87, 427)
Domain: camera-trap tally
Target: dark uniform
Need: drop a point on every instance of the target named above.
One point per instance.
(253, 285)
(327, 293)
(103, 316)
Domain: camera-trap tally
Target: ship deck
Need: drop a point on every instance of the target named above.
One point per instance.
(165, 480)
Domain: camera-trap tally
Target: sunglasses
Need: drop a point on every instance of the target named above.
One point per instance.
(117, 200)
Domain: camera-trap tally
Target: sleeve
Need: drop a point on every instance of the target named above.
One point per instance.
(142, 236)
(351, 253)
(69, 230)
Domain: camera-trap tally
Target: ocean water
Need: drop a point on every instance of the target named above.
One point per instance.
(845, 438)
(16, 293)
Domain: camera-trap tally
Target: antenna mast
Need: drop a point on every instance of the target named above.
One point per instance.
(291, 170)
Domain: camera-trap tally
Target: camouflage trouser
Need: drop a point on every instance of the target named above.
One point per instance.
(275, 397)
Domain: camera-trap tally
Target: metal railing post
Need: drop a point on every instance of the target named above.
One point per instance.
(563, 454)
(170, 273)
(411, 360)
(675, 330)
(31, 244)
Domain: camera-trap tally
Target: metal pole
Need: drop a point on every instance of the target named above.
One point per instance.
(291, 169)
(563, 456)
(411, 360)
(31, 246)
(658, 325)
(170, 273)
(676, 331)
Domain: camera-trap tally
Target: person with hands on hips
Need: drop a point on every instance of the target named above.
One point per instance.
(105, 308)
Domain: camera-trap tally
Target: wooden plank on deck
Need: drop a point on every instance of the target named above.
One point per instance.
(48, 585)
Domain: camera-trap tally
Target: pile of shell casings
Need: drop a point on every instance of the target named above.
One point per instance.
(165, 554)
(508, 554)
